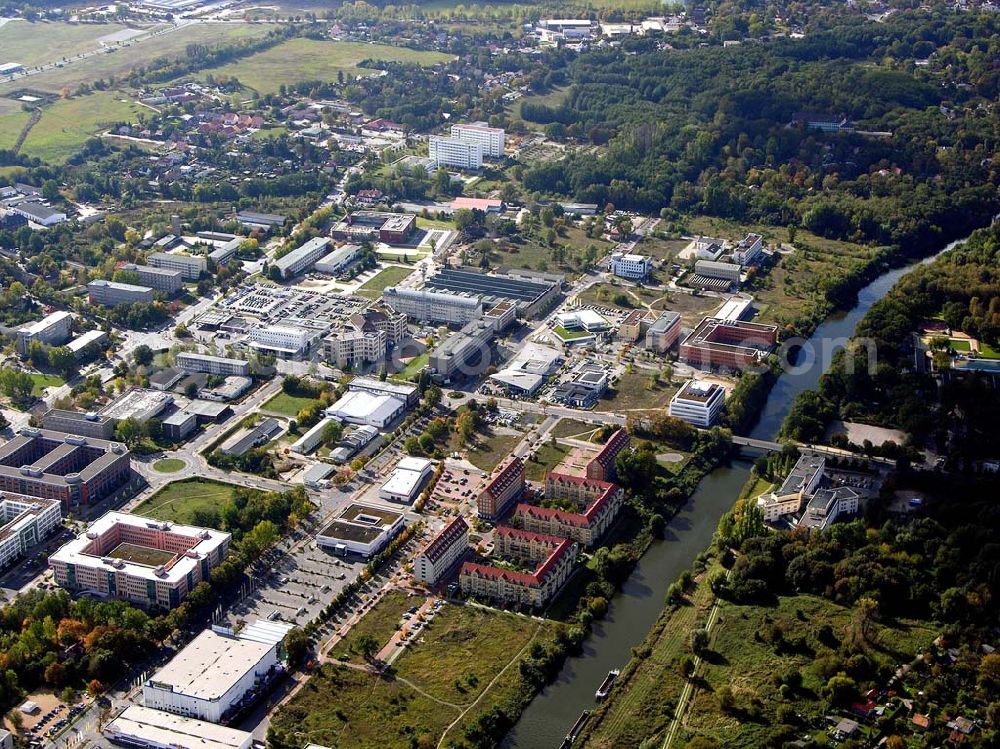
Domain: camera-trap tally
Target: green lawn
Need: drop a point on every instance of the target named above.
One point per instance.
(490, 449)
(414, 366)
(11, 126)
(169, 465)
(50, 41)
(986, 351)
(569, 335)
(572, 428)
(287, 405)
(546, 458)
(43, 381)
(394, 274)
(380, 622)
(960, 345)
(178, 501)
(311, 59)
(66, 124)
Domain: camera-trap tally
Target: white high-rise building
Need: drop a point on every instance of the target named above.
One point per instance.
(456, 152)
(284, 341)
(698, 403)
(490, 138)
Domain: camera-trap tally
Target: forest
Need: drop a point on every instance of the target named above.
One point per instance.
(955, 415)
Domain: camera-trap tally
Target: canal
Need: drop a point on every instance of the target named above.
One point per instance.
(634, 611)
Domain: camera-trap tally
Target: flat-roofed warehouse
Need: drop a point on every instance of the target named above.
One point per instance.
(147, 728)
(361, 529)
(218, 672)
(531, 297)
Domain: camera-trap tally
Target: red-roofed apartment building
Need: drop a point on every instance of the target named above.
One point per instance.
(442, 552)
(501, 491)
(598, 504)
(602, 467)
(554, 557)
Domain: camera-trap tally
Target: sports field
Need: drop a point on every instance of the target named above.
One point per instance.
(146, 555)
(67, 124)
(310, 59)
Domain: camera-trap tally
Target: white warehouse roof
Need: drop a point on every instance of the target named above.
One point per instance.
(154, 728)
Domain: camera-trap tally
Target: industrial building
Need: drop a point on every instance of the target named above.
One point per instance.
(363, 407)
(553, 559)
(490, 139)
(732, 344)
(455, 152)
(406, 479)
(302, 258)
(164, 280)
(254, 220)
(179, 425)
(442, 552)
(72, 469)
(146, 561)
(316, 477)
(584, 387)
(190, 266)
(504, 487)
(53, 330)
(375, 226)
(353, 442)
(38, 213)
(466, 352)
(24, 522)
(428, 305)
(145, 728)
(313, 437)
(112, 293)
(361, 529)
(698, 403)
(531, 297)
(409, 394)
(86, 424)
(219, 672)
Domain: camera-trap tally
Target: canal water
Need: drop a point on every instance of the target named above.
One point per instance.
(633, 612)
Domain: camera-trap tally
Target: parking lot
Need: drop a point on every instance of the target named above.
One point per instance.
(298, 586)
(50, 716)
(459, 483)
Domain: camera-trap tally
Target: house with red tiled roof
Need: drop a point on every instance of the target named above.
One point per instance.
(602, 467)
(501, 490)
(442, 552)
(598, 504)
(551, 559)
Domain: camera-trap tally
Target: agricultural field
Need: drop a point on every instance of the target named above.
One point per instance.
(464, 662)
(177, 502)
(42, 42)
(66, 124)
(309, 59)
(118, 62)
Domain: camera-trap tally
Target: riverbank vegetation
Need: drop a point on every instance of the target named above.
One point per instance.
(953, 414)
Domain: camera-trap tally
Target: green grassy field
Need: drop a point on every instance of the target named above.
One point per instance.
(553, 98)
(569, 335)
(287, 405)
(546, 458)
(168, 465)
(309, 59)
(119, 63)
(42, 42)
(43, 381)
(490, 449)
(414, 366)
(986, 351)
(633, 391)
(178, 501)
(67, 124)
(572, 428)
(465, 661)
(11, 126)
(390, 276)
(380, 622)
